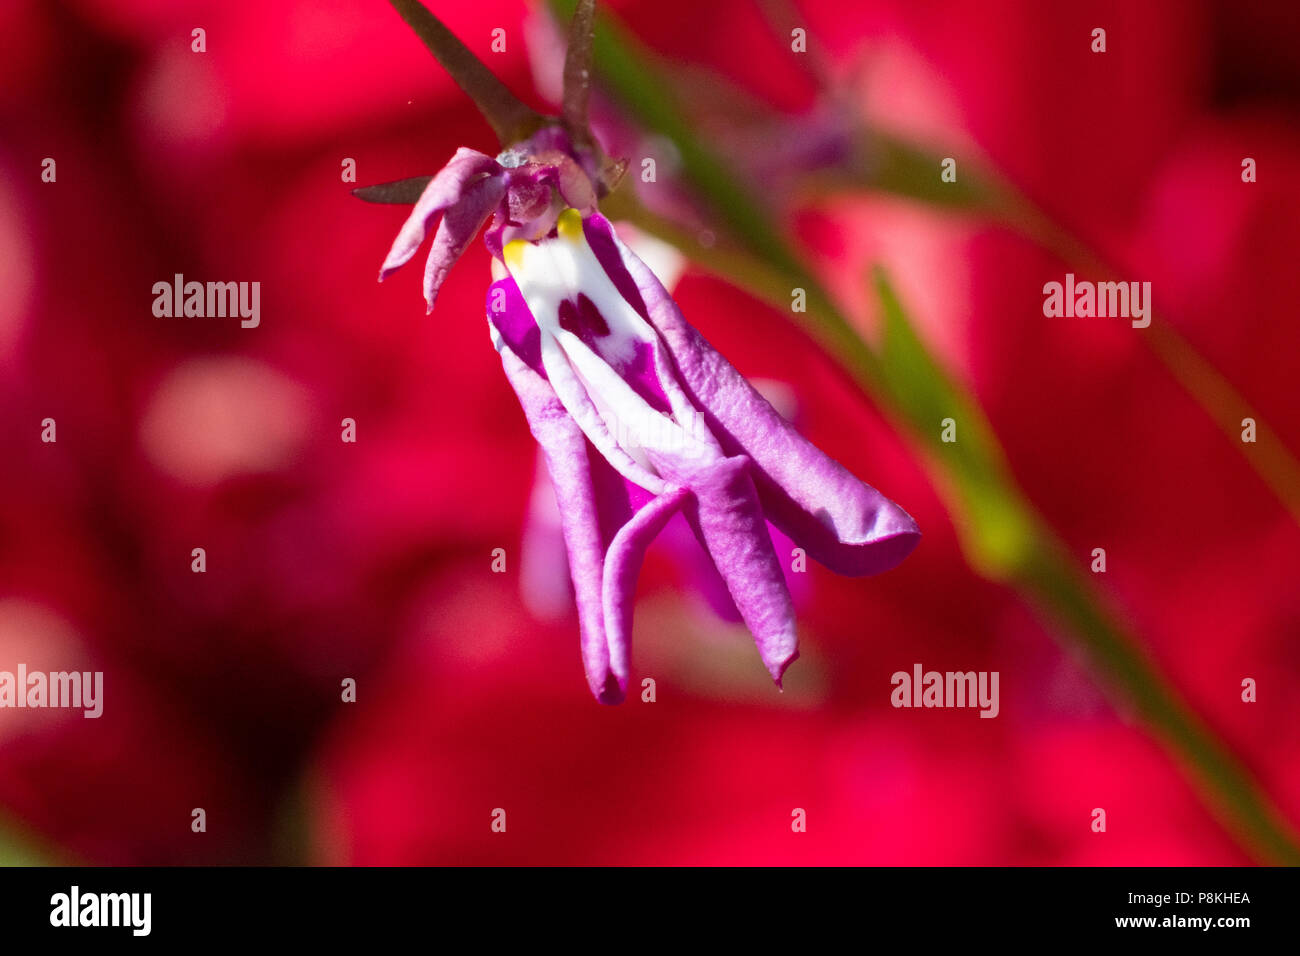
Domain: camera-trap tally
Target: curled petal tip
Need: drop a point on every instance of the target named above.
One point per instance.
(895, 542)
(613, 692)
(777, 669)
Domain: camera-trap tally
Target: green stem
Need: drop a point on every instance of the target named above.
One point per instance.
(896, 167)
(1053, 581)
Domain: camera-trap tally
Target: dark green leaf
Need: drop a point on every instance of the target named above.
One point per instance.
(399, 191)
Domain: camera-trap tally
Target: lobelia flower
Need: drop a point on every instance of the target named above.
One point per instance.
(638, 417)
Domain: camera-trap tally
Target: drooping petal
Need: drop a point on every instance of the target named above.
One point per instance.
(622, 565)
(725, 513)
(607, 521)
(565, 448)
(444, 191)
(460, 223)
(839, 520)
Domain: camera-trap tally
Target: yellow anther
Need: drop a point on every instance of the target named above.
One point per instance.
(513, 253)
(569, 225)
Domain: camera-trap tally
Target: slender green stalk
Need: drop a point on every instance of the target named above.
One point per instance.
(900, 168)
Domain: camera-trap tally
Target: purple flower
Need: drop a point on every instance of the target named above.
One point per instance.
(637, 415)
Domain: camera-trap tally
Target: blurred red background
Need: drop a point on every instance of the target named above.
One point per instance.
(329, 560)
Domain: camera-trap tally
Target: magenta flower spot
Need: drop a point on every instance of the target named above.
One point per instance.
(583, 319)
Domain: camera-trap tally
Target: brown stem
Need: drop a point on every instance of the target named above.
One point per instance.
(510, 118)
